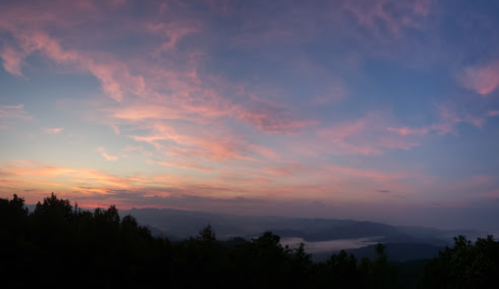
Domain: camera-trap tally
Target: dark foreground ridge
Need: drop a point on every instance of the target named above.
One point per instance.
(63, 245)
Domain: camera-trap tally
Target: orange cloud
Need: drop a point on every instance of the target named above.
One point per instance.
(108, 157)
(183, 165)
(139, 180)
(23, 168)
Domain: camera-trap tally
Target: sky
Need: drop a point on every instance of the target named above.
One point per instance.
(382, 110)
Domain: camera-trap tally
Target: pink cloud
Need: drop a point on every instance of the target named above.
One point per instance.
(362, 173)
(338, 182)
(371, 13)
(12, 60)
(476, 181)
(169, 88)
(338, 133)
(114, 76)
(13, 111)
(464, 185)
(410, 131)
(288, 170)
(116, 3)
(482, 79)
(244, 180)
(422, 7)
(188, 143)
(173, 32)
(331, 95)
(492, 194)
(53, 130)
(366, 136)
(273, 120)
(450, 117)
(10, 112)
(492, 113)
(200, 98)
(141, 112)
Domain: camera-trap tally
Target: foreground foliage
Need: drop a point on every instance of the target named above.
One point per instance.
(466, 265)
(59, 243)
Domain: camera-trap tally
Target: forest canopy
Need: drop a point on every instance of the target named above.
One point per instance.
(101, 246)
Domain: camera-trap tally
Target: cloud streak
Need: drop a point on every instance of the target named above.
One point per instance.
(56, 130)
(102, 151)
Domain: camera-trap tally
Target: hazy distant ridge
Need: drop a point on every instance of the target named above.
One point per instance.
(179, 224)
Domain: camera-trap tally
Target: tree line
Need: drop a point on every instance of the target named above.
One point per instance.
(58, 243)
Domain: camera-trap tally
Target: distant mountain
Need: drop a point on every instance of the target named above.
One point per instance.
(182, 224)
(404, 243)
(187, 223)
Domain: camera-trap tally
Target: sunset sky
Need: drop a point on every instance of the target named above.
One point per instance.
(383, 110)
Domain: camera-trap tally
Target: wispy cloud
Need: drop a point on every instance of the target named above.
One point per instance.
(410, 131)
(24, 168)
(193, 143)
(13, 111)
(273, 119)
(113, 75)
(102, 151)
(53, 130)
(381, 18)
(366, 136)
(448, 119)
(8, 113)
